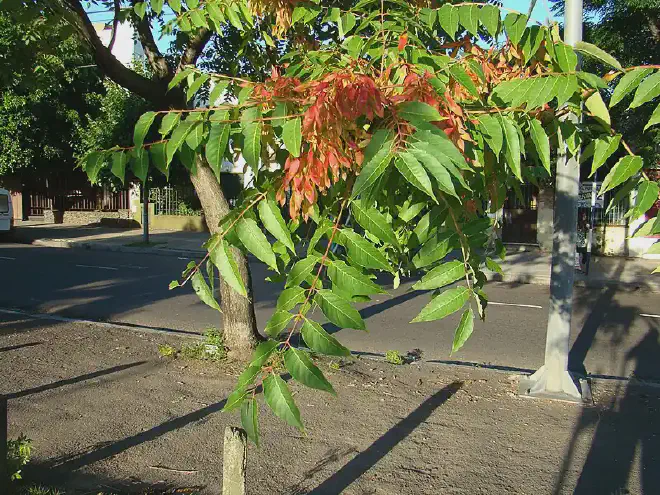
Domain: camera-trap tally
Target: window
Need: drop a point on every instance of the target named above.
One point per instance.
(4, 203)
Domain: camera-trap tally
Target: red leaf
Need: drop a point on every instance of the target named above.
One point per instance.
(403, 39)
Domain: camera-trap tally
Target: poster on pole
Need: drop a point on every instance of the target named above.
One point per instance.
(584, 200)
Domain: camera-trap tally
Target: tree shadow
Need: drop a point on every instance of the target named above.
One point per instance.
(19, 346)
(369, 457)
(73, 380)
(630, 423)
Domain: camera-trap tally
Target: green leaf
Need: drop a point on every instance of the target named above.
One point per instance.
(625, 168)
(262, 353)
(492, 132)
(604, 147)
(566, 57)
(648, 89)
(196, 135)
(567, 87)
(598, 109)
(158, 155)
(464, 330)
(279, 399)
(203, 291)
(270, 215)
(597, 53)
(301, 367)
(514, 25)
(468, 15)
(222, 257)
(179, 77)
(255, 241)
(188, 157)
(119, 162)
(216, 145)
(628, 83)
(437, 169)
(321, 341)
(655, 118)
(93, 163)
(351, 280)
(168, 123)
(512, 148)
(541, 143)
(218, 91)
(414, 173)
(373, 169)
(348, 22)
(175, 5)
(654, 249)
(289, 298)
(338, 310)
(142, 127)
(140, 9)
(647, 195)
(301, 270)
(439, 144)
(292, 136)
(531, 41)
(435, 249)
(195, 85)
(251, 129)
(232, 15)
(235, 400)
(140, 163)
(493, 266)
(460, 76)
(250, 419)
(417, 110)
(374, 221)
(442, 275)
(277, 323)
(490, 18)
(623, 192)
(177, 139)
(448, 19)
(364, 253)
(444, 304)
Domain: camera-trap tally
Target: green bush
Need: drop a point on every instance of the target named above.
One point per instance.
(18, 455)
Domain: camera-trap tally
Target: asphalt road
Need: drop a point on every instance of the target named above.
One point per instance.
(611, 335)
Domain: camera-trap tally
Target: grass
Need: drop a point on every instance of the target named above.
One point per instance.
(393, 357)
(211, 349)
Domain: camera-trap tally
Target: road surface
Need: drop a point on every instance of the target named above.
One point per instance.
(612, 329)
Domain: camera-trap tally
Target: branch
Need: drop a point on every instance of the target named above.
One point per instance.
(108, 64)
(115, 23)
(195, 47)
(156, 60)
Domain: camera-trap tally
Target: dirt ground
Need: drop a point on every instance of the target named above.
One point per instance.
(107, 413)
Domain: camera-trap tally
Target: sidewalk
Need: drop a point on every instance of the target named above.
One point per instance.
(532, 267)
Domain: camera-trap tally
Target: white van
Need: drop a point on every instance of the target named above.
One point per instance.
(6, 213)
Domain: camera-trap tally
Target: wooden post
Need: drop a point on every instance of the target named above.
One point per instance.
(4, 427)
(234, 460)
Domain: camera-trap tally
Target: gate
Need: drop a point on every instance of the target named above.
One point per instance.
(520, 216)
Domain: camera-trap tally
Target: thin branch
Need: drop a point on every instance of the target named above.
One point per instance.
(115, 24)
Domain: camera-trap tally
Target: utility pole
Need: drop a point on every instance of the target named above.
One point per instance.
(553, 380)
(145, 212)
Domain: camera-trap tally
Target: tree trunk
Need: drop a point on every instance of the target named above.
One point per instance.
(239, 322)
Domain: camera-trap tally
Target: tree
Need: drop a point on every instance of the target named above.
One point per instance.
(408, 123)
(43, 100)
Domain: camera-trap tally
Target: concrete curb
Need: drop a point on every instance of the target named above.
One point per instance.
(99, 246)
(526, 278)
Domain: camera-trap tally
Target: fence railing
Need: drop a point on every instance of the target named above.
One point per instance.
(170, 200)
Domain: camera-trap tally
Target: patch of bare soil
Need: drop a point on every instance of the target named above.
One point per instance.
(107, 413)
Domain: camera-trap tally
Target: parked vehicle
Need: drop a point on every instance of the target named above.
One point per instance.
(6, 213)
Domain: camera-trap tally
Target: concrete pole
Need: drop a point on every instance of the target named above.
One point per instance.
(234, 462)
(553, 380)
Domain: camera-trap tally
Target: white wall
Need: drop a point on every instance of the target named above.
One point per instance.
(126, 47)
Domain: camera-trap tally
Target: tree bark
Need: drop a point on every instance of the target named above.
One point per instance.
(238, 318)
(239, 322)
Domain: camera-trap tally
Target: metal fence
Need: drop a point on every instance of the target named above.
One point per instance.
(616, 215)
(178, 200)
